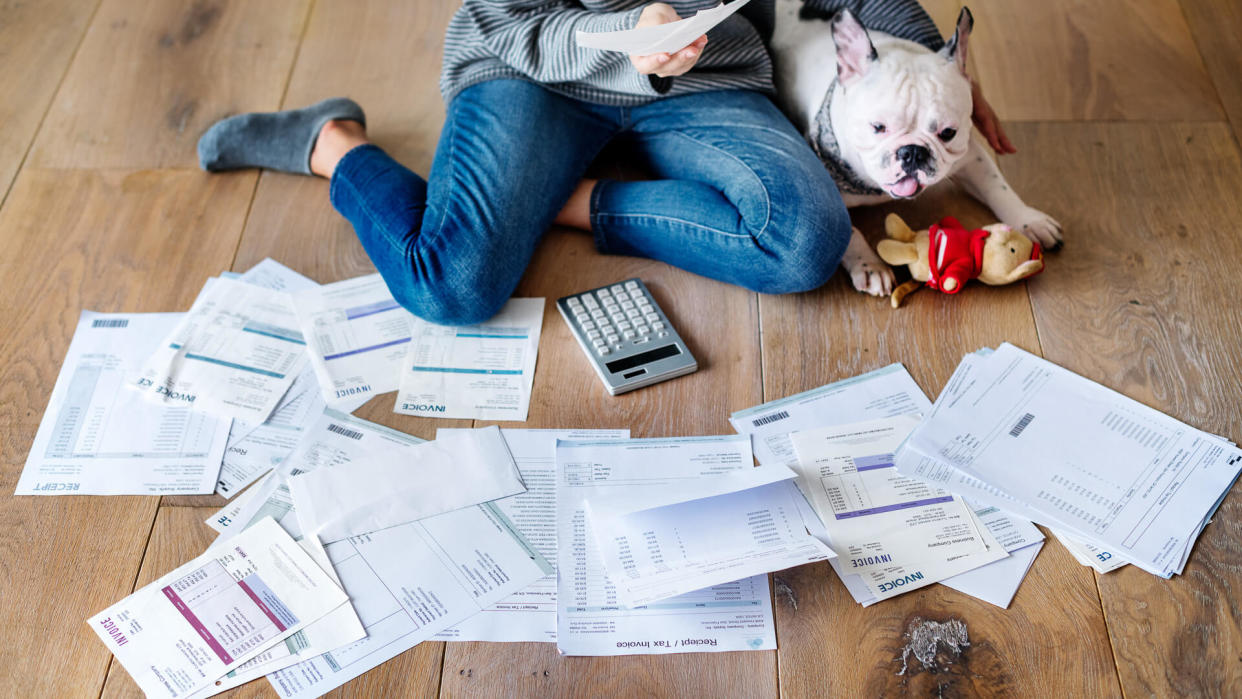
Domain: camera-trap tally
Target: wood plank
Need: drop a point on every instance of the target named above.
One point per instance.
(1108, 59)
(346, 48)
(152, 75)
(835, 333)
(1142, 301)
(1216, 26)
(110, 241)
(43, 37)
(567, 393)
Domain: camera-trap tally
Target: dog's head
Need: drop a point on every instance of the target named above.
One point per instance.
(905, 114)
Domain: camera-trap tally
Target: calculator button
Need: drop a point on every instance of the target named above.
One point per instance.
(628, 334)
(598, 343)
(591, 303)
(603, 292)
(633, 313)
(605, 327)
(657, 325)
(597, 313)
(646, 308)
(617, 288)
(594, 334)
(588, 325)
(624, 325)
(612, 307)
(642, 329)
(613, 338)
(574, 303)
(631, 284)
(582, 317)
(603, 349)
(651, 316)
(627, 304)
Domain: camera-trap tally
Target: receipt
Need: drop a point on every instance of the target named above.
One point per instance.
(98, 438)
(481, 372)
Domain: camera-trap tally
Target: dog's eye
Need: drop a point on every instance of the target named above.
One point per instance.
(947, 135)
(879, 128)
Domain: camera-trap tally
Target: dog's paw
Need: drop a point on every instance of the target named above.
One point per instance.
(1039, 227)
(867, 271)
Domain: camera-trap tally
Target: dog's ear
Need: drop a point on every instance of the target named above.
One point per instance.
(855, 52)
(955, 49)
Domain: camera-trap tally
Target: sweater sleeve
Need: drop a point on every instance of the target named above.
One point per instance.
(536, 38)
(904, 19)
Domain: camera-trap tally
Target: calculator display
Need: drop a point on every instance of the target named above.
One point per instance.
(621, 365)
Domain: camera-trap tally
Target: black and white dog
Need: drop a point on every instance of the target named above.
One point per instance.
(889, 118)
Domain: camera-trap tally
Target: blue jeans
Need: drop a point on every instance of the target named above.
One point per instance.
(740, 196)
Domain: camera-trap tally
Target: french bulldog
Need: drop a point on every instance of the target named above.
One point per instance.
(889, 118)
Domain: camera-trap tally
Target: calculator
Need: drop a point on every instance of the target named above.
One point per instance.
(626, 336)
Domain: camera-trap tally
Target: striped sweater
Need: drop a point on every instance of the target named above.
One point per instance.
(534, 40)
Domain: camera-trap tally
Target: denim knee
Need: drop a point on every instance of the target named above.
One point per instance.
(449, 302)
(815, 242)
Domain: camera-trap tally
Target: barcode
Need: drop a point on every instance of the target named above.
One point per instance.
(1017, 429)
(760, 422)
(352, 434)
(114, 323)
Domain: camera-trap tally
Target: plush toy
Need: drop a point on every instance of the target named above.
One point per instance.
(995, 254)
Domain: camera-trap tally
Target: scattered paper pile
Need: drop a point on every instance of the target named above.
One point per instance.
(1115, 477)
(354, 542)
(891, 533)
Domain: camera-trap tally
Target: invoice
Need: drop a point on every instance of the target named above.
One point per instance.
(481, 372)
(356, 336)
(214, 613)
(234, 354)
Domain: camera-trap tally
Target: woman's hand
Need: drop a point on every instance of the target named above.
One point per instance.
(666, 65)
(987, 121)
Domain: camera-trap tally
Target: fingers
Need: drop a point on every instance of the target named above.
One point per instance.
(667, 65)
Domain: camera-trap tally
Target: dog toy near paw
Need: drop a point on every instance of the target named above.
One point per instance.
(948, 255)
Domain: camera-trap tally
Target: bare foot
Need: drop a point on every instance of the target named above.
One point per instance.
(577, 211)
(336, 138)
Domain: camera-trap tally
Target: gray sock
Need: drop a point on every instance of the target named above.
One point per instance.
(273, 140)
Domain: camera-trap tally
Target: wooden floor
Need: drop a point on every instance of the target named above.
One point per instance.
(1126, 114)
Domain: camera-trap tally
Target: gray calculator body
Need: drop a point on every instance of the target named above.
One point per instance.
(626, 336)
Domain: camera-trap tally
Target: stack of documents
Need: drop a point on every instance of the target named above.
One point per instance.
(661, 38)
(891, 533)
(1117, 479)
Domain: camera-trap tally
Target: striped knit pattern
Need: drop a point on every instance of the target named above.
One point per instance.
(534, 40)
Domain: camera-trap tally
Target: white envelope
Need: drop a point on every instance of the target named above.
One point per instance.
(404, 484)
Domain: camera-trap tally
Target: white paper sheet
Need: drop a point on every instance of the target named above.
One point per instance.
(190, 627)
(480, 372)
(234, 354)
(347, 477)
(529, 614)
(653, 553)
(356, 336)
(1090, 555)
(1082, 457)
(997, 583)
(733, 616)
(98, 438)
(662, 38)
(410, 582)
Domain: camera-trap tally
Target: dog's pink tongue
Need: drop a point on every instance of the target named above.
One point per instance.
(906, 186)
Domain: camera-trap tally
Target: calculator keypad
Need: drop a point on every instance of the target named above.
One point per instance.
(616, 316)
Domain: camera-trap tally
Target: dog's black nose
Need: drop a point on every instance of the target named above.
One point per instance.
(913, 157)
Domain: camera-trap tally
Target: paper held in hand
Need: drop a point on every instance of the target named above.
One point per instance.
(661, 38)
